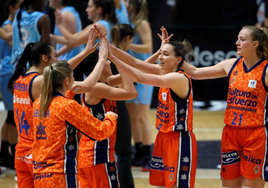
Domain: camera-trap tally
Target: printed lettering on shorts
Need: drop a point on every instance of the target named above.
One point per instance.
(157, 163)
(251, 159)
(41, 164)
(42, 176)
(230, 158)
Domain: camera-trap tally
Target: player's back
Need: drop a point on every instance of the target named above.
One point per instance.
(28, 30)
(56, 141)
(23, 112)
(78, 25)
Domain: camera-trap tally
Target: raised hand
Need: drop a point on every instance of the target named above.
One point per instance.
(98, 30)
(103, 53)
(91, 46)
(164, 37)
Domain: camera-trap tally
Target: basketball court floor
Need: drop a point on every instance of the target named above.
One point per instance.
(208, 125)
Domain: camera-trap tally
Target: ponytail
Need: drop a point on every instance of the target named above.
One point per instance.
(53, 78)
(32, 54)
(115, 33)
(24, 5)
(21, 66)
(119, 32)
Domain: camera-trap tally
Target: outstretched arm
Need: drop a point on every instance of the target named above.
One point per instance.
(94, 76)
(164, 39)
(134, 62)
(90, 47)
(219, 70)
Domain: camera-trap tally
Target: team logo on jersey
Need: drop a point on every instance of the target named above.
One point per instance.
(252, 83)
(159, 126)
(235, 73)
(41, 131)
(232, 81)
(164, 96)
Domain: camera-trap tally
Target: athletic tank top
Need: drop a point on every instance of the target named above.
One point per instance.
(29, 33)
(247, 95)
(92, 152)
(77, 49)
(108, 25)
(122, 14)
(174, 113)
(23, 112)
(138, 55)
(5, 54)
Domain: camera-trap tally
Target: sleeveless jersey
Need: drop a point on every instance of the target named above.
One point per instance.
(247, 95)
(93, 152)
(138, 55)
(23, 112)
(122, 14)
(108, 25)
(5, 54)
(56, 141)
(29, 33)
(77, 49)
(174, 113)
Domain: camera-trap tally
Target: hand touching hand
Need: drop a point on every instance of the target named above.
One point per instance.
(91, 46)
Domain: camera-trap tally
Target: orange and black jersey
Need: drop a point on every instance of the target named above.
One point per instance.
(247, 95)
(23, 112)
(174, 113)
(92, 152)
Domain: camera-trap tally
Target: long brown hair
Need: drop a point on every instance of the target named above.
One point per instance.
(53, 78)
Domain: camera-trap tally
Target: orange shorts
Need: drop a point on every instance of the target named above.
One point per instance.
(100, 176)
(52, 180)
(174, 160)
(24, 169)
(243, 151)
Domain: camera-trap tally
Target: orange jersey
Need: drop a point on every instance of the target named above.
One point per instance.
(23, 113)
(92, 152)
(56, 143)
(174, 113)
(247, 95)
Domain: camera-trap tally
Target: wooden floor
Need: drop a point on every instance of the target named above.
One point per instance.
(207, 126)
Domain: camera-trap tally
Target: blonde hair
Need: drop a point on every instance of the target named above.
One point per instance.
(141, 11)
(260, 35)
(53, 78)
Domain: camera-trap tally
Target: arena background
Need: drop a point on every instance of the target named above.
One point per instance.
(211, 26)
